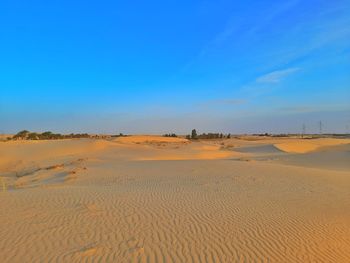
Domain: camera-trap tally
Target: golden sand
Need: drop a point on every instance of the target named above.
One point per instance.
(157, 199)
(309, 145)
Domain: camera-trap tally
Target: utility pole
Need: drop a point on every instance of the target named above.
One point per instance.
(321, 126)
(304, 130)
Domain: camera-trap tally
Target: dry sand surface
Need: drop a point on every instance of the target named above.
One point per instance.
(157, 199)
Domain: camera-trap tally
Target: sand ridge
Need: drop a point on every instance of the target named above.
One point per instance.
(309, 145)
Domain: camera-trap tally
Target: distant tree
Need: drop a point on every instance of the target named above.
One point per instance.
(210, 136)
(54, 136)
(33, 136)
(188, 137)
(46, 135)
(194, 134)
(57, 136)
(229, 136)
(21, 135)
(170, 135)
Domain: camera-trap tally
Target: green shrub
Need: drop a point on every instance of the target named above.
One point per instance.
(194, 134)
(21, 135)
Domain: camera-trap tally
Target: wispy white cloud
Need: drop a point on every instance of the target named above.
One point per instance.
(276, 76)
(327, 27)
(234, 25)
(267, 83)
(321, 33)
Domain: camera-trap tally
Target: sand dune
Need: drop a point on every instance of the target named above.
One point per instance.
(195, 151)
(16, 152)
(304, 146)
(331, 158)
(153, 200)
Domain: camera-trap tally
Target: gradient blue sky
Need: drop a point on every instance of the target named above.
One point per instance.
(170, 66)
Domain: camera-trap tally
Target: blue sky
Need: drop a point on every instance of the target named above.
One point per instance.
(170, 66)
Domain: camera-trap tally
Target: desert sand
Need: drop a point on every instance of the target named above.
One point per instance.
(158, 199)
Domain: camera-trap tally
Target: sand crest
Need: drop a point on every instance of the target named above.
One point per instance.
(309, 145)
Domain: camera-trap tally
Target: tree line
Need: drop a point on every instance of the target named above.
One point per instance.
(195, 136)
(27, 135)
(170, 135)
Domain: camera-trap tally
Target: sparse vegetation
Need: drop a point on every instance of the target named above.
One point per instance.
(170, 135)
(33, 136)
(21, 135)
(262, 134)
(194, 134)
(210, 135)
(119, 135)
(26, 135)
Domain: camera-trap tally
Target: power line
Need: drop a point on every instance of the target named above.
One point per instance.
(321, 126)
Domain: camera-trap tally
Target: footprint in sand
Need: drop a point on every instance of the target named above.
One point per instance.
(88, 251)
(93, 209)
(135, 246)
